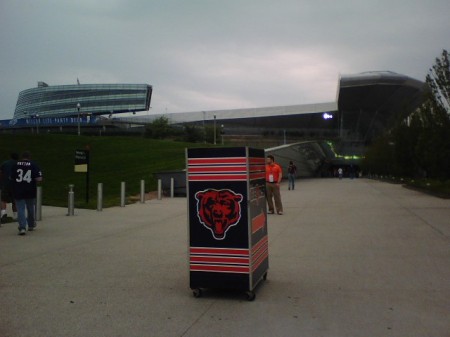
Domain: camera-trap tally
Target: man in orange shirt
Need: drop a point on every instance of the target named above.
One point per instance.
(273, 179)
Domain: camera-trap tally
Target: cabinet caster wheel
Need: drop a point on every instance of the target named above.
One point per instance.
(197, 292)
(250, 296)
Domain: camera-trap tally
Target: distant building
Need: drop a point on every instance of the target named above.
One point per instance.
(366, 105)
(370, 102)
(93, 99)
(319, 137)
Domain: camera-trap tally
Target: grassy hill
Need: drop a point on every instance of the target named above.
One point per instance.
(112, 160)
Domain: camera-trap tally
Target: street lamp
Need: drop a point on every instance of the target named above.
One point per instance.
(36, 118)
(78, 108)
(214, 129)
(37, 124)
(204, 129)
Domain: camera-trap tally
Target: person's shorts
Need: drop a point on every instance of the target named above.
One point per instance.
(7, 195)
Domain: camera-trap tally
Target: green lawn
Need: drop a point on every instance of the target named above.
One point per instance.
(431, 186)
(112, 160)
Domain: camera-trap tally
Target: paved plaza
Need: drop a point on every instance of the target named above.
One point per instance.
(348, 258)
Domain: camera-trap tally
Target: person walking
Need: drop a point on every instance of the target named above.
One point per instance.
(6, 186)
(25, 176)
(274, 174)
(292, 172)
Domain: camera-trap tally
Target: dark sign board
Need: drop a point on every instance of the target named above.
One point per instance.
(81, 161)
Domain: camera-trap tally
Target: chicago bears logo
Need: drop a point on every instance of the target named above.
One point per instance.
(218, 210)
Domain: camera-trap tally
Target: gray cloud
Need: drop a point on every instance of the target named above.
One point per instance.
(209, 54)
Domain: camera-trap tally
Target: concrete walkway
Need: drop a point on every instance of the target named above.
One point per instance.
(348, 258)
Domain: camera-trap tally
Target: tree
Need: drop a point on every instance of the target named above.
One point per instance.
(192, 133)
(433, 145)
(158, 129)
(438, 80)
(421, 145)
(379, 157)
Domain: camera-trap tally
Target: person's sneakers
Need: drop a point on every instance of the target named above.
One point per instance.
(280, 213)
(271, 212)
(4, 218)
(22, 232)
(30, 229)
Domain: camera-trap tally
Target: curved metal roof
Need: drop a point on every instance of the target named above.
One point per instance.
(368, 102)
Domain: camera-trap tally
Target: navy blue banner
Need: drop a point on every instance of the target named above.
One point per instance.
(48, 121)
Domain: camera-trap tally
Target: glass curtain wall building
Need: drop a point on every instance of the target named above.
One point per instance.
(71, 100)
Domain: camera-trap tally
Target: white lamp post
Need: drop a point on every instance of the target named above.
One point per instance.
(214, 129)
(37, 123)
(204, 129)
(78, 108)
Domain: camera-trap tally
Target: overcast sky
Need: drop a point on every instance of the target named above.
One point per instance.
(216, 54)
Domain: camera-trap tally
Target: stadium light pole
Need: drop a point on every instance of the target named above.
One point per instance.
(78, 108)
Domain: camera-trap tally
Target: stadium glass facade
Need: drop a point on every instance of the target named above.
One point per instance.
(93, 99)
